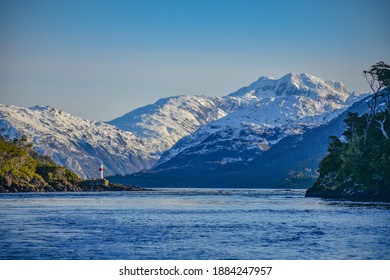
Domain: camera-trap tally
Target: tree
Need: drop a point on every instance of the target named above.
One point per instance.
(359, 166)
(378, 78)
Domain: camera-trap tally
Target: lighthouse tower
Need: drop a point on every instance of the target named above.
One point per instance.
(101, 171)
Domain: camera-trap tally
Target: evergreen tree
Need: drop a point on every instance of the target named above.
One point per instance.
(359, 167)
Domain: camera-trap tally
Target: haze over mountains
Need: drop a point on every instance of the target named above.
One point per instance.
(184, 131)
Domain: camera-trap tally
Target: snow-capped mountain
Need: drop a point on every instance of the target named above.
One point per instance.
(223, 130)
(290, 163)
(274, 109)
(170, 119)
(79, 144)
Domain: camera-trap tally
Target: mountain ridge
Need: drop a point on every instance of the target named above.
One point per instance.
(151, 134)
(291, 163)
(78, 144)
(290, 113)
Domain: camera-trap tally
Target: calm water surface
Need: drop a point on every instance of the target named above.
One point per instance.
(191, 224)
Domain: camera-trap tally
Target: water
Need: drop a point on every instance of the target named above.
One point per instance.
(191, 224)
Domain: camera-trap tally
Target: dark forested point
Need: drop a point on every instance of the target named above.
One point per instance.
(357, 167)
(23, 170)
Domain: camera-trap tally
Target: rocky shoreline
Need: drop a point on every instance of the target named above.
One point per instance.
(349, 191)
(78, 187)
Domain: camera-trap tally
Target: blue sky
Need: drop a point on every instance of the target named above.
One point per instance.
(101, 59)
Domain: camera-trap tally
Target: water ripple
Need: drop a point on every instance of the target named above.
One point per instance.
(191, 224)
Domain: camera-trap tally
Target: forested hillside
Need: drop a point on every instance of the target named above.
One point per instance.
(22, 169)
(358, 165)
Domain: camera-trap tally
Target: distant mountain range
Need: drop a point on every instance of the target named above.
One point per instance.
(292, 162)
(179, 139)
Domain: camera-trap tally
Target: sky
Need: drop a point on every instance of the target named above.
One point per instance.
(101, 59)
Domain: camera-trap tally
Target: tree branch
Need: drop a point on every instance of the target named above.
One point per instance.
(382, 128)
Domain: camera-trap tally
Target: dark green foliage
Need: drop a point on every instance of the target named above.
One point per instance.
(22, 169)
(332, 162)
(359, 167)
(53, 173)
(16, 165)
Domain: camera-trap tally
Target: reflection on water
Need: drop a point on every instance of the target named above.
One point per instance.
(191, 224)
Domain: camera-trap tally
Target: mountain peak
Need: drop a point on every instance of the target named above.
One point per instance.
(298, 77)
(301, 80)
(264, 78)
(292, 84)
(293, 78)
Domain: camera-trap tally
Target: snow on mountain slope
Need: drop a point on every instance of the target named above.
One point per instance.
(170, 119)
(266, 102)
(292, 84)
(79, 144)
(289, 163)
(280, 107)
(235, 127)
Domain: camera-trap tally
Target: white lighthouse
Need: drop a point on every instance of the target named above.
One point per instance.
(101, 171)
